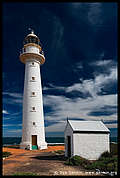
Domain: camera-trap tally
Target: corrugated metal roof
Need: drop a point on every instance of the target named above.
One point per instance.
(88, 126)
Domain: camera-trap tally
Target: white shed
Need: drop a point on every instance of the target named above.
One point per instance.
(88, 139)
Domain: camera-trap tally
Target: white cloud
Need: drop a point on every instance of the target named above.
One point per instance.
(12, 125)
(80, 108)
(111, 125)
(102, 62)
(5, 112)
(94, 86)
(53, 87)
(12, 98)
(64, 107)
(15, 95)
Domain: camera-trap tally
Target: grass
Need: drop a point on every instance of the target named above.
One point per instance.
(6, 154)
(59, 152)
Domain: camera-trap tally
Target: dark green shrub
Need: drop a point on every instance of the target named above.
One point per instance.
(104, 164)
(77, 160)
(110, 167)
(114, 149)
(69, 162)
(106, 154)
(107, 162)
(5, 154)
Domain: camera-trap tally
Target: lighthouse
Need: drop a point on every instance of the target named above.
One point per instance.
(33, 131)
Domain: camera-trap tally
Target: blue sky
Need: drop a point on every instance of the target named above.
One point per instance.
(79, 77)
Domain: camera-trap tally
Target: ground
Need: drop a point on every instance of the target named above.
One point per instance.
(40, 162)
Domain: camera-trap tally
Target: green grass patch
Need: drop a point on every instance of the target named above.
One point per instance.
(6, 154)
(59, 152)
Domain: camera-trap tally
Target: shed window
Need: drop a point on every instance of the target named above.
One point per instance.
(33, 123)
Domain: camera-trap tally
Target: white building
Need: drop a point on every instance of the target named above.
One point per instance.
(88, 139)
(33, 132)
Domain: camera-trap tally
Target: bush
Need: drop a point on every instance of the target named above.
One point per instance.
(106, 154)
(96, 165)
(5, 154)
(69, 162)
(77, 161)
(114, 149)
(106, 162)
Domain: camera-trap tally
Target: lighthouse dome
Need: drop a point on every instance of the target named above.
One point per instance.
(32, 38)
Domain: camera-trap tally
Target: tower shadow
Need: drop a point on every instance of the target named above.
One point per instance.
(51, 157)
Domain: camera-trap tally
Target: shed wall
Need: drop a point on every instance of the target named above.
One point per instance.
(90, 146)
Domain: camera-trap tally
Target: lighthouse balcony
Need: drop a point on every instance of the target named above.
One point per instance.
(25, 56)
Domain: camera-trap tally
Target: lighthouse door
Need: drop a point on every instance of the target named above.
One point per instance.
(34, 142)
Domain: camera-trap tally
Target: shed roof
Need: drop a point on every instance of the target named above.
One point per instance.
(88, 126)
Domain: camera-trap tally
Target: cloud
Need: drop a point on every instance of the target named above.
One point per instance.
(95, 86)
(58, 31)
(5, 112)
(80, 108)
(102, 62)
(12, 132)
(95, 106)
(111, 125)
(89, 87)
(94, 13)
(12, 98)
(15, 95)
(104, 111)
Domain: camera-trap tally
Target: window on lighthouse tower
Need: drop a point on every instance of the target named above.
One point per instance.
(33, 78)
(33, 108)
(33, 123)
(33, 93)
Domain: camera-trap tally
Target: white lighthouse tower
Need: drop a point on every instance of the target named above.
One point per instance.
(33, 132)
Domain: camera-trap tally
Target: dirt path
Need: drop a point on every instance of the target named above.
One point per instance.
(41, 162)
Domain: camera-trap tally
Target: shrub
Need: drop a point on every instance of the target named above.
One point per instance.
(77, 161)
(5, 154)
(69, 162)
(114, 149)
(104, 164)
(108, 161)
(105, 154)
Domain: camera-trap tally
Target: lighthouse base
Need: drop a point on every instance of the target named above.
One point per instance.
(29, 146)
(42, 146)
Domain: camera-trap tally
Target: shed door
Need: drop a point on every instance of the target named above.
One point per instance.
(69, 146)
